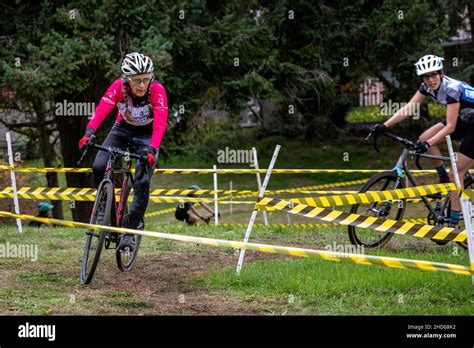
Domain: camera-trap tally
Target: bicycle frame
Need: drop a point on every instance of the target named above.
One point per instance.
(119, 206)
(121, 203)
(403, 163)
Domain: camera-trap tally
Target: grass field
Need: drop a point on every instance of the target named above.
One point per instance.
(178, 278)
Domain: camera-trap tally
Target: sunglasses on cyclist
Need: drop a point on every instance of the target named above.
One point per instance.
(426, 77)
(138, 81)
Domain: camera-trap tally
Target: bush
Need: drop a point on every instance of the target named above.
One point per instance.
(436, 111)
(365, 114)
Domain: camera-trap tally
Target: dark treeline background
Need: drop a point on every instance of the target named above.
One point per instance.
(305, 57)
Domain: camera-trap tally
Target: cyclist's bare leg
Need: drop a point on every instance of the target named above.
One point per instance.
(192, 219)
(463, 163)
(433, 150)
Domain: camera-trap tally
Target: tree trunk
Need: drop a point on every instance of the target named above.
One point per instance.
(48, 155)
(71, 130)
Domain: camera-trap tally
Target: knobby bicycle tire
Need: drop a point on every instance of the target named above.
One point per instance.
(122, 263)
(101, 215)
(389, 181)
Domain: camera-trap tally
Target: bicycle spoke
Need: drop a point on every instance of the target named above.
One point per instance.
(384, 210)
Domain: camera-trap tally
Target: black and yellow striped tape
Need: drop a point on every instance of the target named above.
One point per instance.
(54, 193)
(88, 194)
(302, 188)
(313, 187)
(361, 221)
(375, 196)
(302, 226)
(208, 171)
(390, 262)
(468, 194)
(155, 192)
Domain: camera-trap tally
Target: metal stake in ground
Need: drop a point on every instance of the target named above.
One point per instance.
(230, 188)
(216, 197)
(259, 181)
(13, 178)
(466, 206)
(255, 210)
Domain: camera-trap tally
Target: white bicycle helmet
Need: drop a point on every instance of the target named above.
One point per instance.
(136, 63)
(428, 63)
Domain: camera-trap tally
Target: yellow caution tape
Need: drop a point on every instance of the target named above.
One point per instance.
(375, 196)
(160, 212)
(468, 194)
(210, 171)
(302, 226)
(374, 223)
(88, 194)
(390, 262)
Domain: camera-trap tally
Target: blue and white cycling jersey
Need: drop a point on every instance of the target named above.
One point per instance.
(453, 91)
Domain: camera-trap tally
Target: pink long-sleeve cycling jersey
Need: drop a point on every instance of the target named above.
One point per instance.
(143, 122)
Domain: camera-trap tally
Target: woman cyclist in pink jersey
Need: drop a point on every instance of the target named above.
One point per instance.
(141, 123)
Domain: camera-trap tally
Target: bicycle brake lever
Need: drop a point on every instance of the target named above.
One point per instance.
(417, 162)
(86, 149)
(374, 144)
(79, 163)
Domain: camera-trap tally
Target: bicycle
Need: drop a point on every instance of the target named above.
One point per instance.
(439, 215)
(109, 212)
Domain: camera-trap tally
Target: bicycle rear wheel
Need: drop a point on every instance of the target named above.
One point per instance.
(95, 239)
(386, 210)
(126, 259)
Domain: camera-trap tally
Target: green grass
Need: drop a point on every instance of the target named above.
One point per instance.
(315, 287)
(132, 304)
(365, 114)
(273, 284)
(372, 113)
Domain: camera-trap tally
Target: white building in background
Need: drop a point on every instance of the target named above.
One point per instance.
(371, 92)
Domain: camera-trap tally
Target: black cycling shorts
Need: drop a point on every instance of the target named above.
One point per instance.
(464, 131)
(181, 214)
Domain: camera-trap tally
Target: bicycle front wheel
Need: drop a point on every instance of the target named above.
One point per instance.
(95, 239)
(386, 210)
(126, 259)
